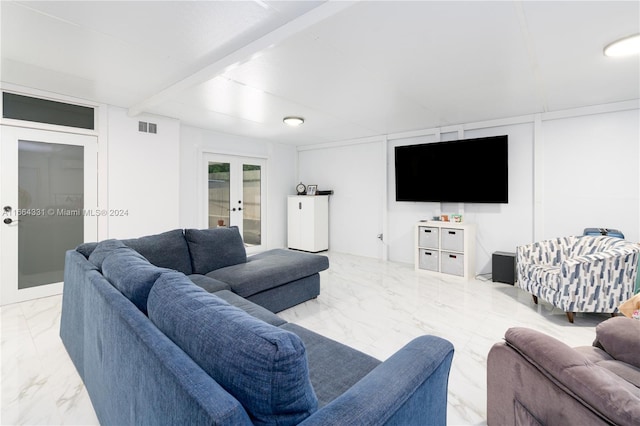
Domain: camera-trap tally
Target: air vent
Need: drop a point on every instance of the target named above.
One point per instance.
(145, 127)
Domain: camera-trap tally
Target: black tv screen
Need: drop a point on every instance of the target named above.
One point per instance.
(467, 171)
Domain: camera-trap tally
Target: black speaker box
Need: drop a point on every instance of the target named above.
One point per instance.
(503, 267)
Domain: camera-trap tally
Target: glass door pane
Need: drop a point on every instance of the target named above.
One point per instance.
(251, 192)
(50, 209)
(219, 194)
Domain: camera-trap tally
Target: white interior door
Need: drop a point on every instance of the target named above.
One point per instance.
(48, 201)
(235, 194)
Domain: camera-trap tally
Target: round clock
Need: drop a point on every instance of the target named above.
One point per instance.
(301, 189)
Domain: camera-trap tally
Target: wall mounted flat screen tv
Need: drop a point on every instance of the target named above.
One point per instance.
(463, 171)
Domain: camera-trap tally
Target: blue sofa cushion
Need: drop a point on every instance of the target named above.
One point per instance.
(216, 248)
(261, 365)
(250, 308)
(104, 249)
(269, 269)
(166, 250)
(210, 284)
(132, 274)
(333, 367)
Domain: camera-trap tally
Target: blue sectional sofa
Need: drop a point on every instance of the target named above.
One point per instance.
(155, 345)
(216, 259)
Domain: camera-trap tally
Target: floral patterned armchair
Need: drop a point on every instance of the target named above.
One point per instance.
(579, 274)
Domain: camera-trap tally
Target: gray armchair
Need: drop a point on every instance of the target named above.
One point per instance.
(534, 379)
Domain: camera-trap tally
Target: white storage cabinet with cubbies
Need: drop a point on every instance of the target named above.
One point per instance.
(446, 248)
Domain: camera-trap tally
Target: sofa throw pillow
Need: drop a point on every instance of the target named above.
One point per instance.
(215, 248)
(262, 366)
(104, 249)
(86, 249)
(132, 274)
(619, 337)
(166, 250)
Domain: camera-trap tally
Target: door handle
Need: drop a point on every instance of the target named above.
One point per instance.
(7, 220)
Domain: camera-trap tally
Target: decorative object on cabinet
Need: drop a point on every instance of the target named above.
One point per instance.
(445, 248)
(301, 189)
(311, 189)
(308, 223)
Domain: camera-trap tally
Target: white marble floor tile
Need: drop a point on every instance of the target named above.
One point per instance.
(40, 385)
(376, 307)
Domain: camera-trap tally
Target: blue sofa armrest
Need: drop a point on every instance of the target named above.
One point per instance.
(409, 388)
(77, 271)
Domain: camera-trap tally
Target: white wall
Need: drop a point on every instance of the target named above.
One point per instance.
(141, 176)
(591, 174)
(566, 172)
(281, 165)
(355, 208)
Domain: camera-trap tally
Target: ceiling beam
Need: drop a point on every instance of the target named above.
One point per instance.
(243, 54)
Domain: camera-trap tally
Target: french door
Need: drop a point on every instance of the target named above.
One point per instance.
(48, 196)
(235, 194)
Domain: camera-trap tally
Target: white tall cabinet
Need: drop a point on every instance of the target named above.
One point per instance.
(308, 222)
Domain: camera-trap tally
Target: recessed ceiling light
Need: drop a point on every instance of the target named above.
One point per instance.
(293, 121)
(624, 47)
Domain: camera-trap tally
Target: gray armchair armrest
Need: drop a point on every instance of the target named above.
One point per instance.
(573, 372)
(409, 388)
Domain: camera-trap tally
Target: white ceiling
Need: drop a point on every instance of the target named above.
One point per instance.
(352, 69)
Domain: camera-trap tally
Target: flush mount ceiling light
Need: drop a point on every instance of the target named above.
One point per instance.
(293, 121)
(624, 47)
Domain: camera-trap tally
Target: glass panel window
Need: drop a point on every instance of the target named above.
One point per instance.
(219, 187)
(251, 190)
(26, 108)
(50, 203)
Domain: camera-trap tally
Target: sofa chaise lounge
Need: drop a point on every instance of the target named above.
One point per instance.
(153, 347)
